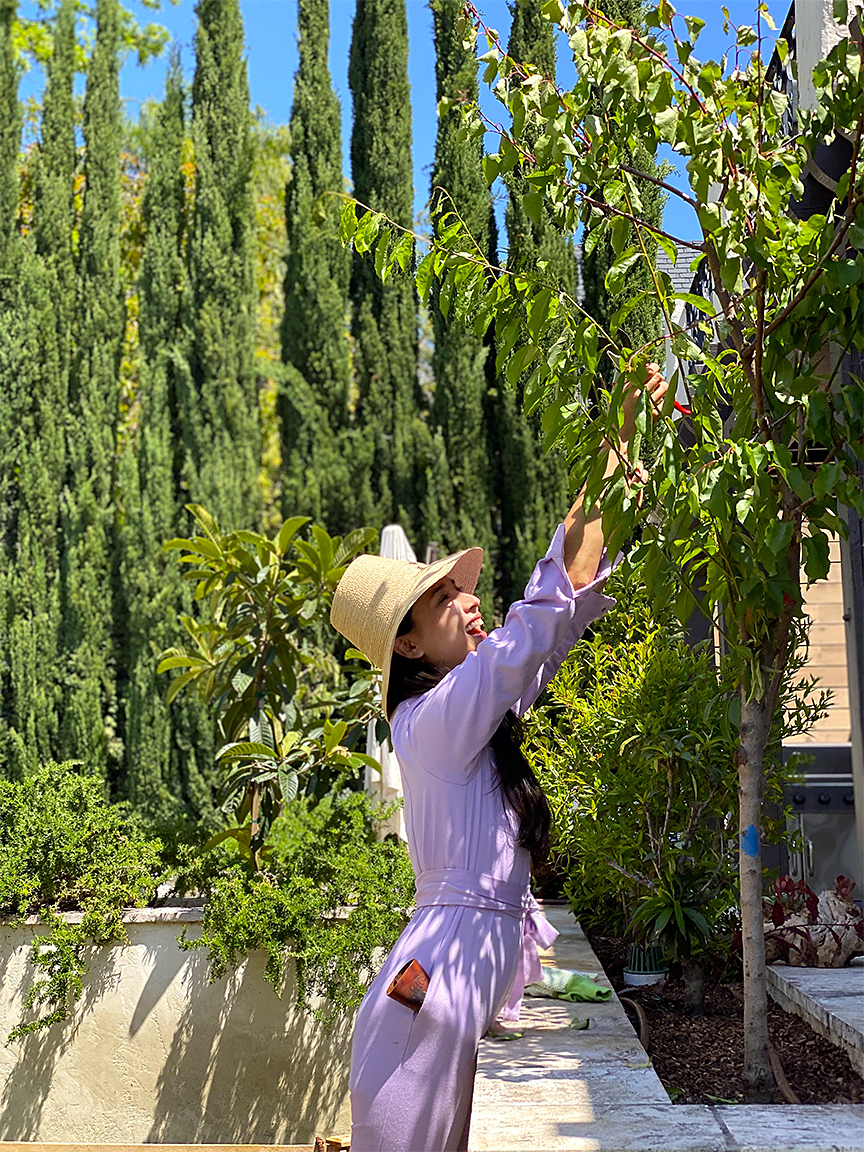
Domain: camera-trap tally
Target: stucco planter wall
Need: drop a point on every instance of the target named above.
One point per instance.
(154, 1053)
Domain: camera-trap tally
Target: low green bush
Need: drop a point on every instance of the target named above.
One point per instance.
(327, 895)
(64, 848)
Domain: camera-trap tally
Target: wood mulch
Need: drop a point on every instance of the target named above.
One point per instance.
(699, 1058)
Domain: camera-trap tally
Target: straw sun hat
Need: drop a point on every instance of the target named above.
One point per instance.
(376, 592)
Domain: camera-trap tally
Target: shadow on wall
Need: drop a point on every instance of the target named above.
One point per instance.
(34, 1058)
(251, 1074)
(155, 1053)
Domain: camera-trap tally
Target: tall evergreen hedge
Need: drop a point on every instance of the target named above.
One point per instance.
(168, 748)
(89, 713)
(459, 357)
(317, 452)
(218, 398)
(31, 458)
(384, 319)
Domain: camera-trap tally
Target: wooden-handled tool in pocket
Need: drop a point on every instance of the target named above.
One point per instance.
(409, 985)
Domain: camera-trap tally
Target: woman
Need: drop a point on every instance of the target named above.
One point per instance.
(475, 815)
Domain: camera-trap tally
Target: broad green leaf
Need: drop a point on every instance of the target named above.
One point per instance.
(180, 682)
(348, 222)
(532, 202)
(817, 555)
(245, 749)
(288, 785)
(519, 361)
(288, 531)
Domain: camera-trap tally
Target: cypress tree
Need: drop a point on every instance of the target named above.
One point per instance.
(459, 357)
(88, 724)
(47, 284)
(534, 490)
(28, 380)
(317, 267)
(384, 320)
(169, 749)
(54, 210)
(314, 397)
(219, 393)
(643, 322)
(10, 133)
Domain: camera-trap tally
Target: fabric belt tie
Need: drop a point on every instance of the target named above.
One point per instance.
(457, 887)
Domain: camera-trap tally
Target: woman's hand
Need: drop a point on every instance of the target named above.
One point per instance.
(655, 386)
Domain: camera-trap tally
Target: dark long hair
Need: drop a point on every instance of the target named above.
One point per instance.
(517, 782)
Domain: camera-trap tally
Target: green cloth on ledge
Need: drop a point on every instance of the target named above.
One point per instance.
(564, 984)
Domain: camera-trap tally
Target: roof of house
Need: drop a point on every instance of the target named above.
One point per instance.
(680, 274)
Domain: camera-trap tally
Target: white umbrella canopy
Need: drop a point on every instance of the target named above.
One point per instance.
(386, 785)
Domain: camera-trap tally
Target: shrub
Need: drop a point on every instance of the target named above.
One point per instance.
(63, 847)
(253, 656)
(635, 750)
(327, 895)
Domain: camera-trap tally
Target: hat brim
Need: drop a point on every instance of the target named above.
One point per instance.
(464, 567)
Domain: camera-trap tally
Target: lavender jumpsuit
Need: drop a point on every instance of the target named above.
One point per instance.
(412, 1074)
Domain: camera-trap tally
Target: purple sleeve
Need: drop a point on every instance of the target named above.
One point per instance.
(447, 727)
(588, 609)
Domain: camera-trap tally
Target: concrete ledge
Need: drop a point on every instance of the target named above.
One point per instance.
(831, 1000)
(562, 1090)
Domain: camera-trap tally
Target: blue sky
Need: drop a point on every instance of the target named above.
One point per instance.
(271, 41)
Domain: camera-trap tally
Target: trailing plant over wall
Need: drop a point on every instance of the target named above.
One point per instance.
(329, 892)
(328, 895)
(63, 848)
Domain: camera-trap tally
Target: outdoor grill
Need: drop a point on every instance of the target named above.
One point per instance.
(823, 815)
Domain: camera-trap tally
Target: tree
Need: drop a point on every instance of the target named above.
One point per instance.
(89, 712)
(10, 132)
(218, 396)
(49, 280)
(776, 424)
(384, 319)
(317, 267)
(314, 396)
(32, 386)
(168, 749)
(460, 356)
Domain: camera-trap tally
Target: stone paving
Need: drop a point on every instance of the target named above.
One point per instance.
(831, 1000)
(563, 1090)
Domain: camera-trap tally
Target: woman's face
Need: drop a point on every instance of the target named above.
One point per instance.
(447, 626)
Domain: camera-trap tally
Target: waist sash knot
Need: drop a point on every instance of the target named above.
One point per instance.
(457, 887)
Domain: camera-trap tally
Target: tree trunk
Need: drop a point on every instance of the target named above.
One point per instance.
(755, 725)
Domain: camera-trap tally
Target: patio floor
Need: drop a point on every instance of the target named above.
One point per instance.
(563, 1090)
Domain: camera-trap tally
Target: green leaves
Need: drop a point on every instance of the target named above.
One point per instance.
(261, 600)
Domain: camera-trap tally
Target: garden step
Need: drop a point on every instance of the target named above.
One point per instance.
(566, 1090)
(831, 1000)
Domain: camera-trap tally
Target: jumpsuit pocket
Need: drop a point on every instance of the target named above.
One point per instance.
(409, 985)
